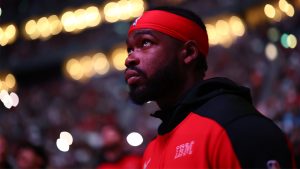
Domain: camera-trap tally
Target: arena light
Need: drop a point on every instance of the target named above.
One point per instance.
(292, 41)
(283, 5)
(290, 11)
(273, 34)
(111, 12)
(74, 69)
(87, 66)
(271, 51)
(212, 34)
(15, 99)
(225, 38)
(92, 16)
(44, 27)
(55, 24)
(100, 63)
(64, 141)
(7, 34)
(222, 27)
(237, 26)
(283, 40)
(10, 81)
(137, 7)
(224, 31)
(9, 100)
(123, 10)
(66, 136)
(68, 20)
(134, 139)
(119, 56)
(269, 10)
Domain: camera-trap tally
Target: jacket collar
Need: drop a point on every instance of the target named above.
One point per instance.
(195, 98)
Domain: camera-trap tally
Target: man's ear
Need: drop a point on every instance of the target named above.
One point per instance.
(190, 51)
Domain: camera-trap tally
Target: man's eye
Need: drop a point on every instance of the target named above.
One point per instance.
(147, 43)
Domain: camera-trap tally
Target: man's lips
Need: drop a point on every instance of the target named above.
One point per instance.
(132, 76)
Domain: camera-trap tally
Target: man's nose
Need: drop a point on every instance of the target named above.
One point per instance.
(131, 60)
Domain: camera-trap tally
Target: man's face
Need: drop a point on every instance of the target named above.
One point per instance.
(153, 68)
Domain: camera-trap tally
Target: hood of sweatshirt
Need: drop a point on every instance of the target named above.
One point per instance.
(195, 98)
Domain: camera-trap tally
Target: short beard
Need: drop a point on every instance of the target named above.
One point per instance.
(164, 82)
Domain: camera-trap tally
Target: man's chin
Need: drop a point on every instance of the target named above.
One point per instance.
(137, 99)
(138, 96)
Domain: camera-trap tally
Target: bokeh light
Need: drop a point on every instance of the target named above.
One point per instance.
(9, 100)
(269, 11)
(292, 41)
(85, 67)
(273, 34)
(119, 56)
(66, 136)
(101, 64)
(123, 10)
(64, 141)
(134, 139)
(284, 41)
(62, 145)
(271, 51)
(236, 25)
(8, 34)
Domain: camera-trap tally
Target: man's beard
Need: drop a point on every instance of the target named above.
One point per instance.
(162, 83)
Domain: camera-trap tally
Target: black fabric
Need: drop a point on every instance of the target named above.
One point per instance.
(255, 139)
(197, 96)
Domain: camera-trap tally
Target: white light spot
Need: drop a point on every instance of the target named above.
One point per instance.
(3, 93)
(134, 139)
(271, 51)
(62, 145)
(15, 99)
(67, 137)
(6, 99)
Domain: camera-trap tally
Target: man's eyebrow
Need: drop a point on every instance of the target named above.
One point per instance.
(143, 32)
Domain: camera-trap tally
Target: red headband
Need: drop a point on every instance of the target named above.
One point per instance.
(173, 25)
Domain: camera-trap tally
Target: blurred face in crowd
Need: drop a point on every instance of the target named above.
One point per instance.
(112, 143)
(28, 159)
(153, 68)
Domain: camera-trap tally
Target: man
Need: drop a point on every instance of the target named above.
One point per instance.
(113, 153)
(29, 156)
(205, 123)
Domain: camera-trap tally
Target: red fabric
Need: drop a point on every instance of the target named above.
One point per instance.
(197, 142)
(127, 162)
(172, 25)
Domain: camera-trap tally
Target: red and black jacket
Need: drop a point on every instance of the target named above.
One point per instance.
(216, 126)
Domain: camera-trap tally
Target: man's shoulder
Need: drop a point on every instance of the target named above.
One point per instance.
(255, 138)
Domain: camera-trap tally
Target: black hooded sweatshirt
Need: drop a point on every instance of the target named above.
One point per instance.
(215, 125)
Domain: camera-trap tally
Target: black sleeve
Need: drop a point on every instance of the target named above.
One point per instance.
(257, 141)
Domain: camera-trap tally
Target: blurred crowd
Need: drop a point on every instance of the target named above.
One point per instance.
(93, 110)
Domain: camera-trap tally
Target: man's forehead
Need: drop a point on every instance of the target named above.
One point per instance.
(136, 33)
(143, 32)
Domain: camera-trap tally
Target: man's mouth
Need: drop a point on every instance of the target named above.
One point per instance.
(132, 77)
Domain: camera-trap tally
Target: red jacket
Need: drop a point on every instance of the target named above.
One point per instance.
(197, 142)
(126, 162)
(216, 126)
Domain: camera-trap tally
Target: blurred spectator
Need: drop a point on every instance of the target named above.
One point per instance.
(4, 164)
(113, 153)
(29, 156)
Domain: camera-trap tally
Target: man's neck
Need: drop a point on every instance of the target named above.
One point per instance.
(172, 98)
